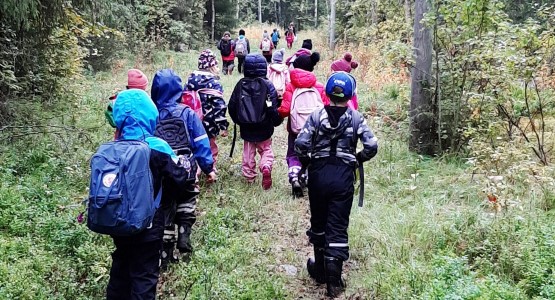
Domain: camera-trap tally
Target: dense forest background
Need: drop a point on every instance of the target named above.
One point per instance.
(460, 201)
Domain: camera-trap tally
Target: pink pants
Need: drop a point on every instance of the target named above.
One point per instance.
(264, 148)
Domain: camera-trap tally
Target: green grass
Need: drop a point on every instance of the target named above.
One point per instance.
(425, 231)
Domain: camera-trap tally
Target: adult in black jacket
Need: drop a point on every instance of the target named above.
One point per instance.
(253, 106)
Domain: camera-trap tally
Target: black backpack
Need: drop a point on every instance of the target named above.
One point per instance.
(173, 130)
(225, 48)
(251, 105)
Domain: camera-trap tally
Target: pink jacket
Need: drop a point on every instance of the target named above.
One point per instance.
(300, 79)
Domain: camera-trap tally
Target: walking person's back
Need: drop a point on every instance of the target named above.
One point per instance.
(327, 147)
(242, 48)
(253, 106)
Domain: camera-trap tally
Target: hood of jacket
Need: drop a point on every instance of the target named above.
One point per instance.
(135, 116)
(280, 68)
(255, 65)
(302, 79)
(344, 123)
(166, 89)
(201, 80)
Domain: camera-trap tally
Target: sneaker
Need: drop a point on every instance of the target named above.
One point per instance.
(297, 188)
(266, 178)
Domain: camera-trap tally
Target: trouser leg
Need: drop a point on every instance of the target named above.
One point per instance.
(119, 284)
(249, 163)
(266, 154)
(145, 270)
(293, 161)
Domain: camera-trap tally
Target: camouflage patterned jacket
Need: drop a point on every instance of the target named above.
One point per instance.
(314, 142)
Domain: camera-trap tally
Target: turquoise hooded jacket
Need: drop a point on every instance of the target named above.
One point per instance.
(135, 116)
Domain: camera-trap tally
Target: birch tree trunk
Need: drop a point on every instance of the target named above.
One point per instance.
(332, 24)
(374, 12)
(260, 11)
(422, 119)
(315, 13)
(407, 8)
(213, 21)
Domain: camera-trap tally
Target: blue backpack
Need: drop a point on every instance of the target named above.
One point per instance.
(121, 194)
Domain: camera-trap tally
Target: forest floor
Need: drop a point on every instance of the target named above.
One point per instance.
(426, 230)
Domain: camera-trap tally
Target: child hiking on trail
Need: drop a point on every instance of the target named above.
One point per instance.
(267, 47)
(227, 49)
(303, 95)
(278, 73)
(242, 48)
(290, 38)
(136, 79)
(327, 147)
(135, 262)
(306, 49)
(183, 130)
(214, 107)
(347, 64)
(275, 37)
(253, 106)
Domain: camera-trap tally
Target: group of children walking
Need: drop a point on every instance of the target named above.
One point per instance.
(181, 122)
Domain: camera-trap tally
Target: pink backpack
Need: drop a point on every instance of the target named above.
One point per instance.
(192, 99)
(303, 103)
(278, 79)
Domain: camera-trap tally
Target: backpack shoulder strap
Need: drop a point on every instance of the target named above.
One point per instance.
(356, 122)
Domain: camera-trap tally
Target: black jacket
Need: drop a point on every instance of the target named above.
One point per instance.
(255, 79)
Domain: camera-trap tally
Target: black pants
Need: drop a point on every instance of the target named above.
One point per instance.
(135, 271)
(330, 192)
(268, 57)
(240, 63)
(180, 212)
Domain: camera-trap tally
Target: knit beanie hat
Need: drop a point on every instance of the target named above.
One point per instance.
(207, 59)
(346, 64)
(307, 62)
(277, 57)
(307, 44)
(136, 79)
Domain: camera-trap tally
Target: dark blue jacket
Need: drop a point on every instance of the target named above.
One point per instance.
(255, 69)
(214, 108)
(166, 93)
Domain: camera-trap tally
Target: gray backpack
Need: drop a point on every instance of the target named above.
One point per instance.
(241, 47)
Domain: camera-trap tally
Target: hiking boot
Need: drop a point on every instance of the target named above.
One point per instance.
(297, 188)
(266, 178)
(167, 256)
(184, 239)
(315, 266)
(334, 283)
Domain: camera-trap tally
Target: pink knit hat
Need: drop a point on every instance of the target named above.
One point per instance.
(136, 79)
(346, 64)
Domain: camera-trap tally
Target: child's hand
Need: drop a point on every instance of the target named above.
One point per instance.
(224, 133)
(212, 177)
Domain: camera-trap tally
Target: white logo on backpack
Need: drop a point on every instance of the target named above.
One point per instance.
(303, 103)
(266, 45)
(278, 80)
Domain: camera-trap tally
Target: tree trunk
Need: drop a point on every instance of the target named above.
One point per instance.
(237, 12)
(422, 119)
(407, 8)
(315, 13)
(260, 11)
(212, 34)
(332, 24)
(279, 13)
(374, 12)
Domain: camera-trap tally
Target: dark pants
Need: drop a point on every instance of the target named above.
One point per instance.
(240, 63)
(180, 212)
(135, 271)
(268, 57)
(330, 192)
(275, 44)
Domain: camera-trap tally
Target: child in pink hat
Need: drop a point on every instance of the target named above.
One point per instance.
(347, 64)
(136, 79)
